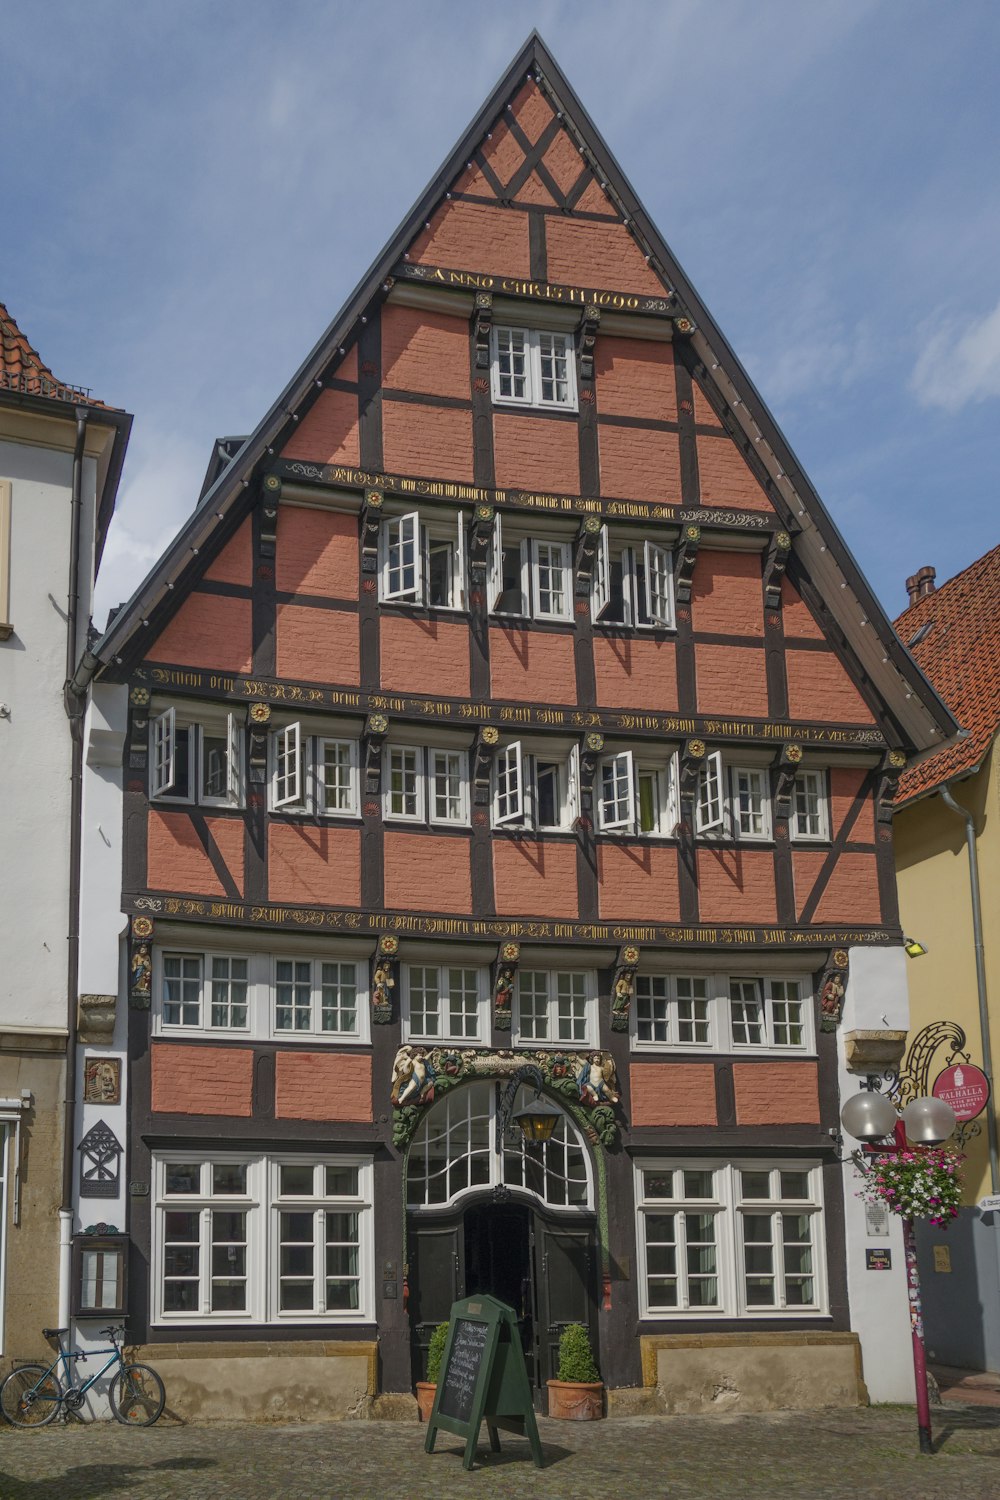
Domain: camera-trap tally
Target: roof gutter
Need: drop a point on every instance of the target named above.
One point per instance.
(977, 935)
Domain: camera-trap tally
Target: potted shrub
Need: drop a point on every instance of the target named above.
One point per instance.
(435, 1354)
(578, 1394)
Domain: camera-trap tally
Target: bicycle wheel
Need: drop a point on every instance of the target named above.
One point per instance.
(29, 1397)
(137, 1396)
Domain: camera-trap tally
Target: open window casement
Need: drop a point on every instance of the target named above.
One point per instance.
(402, 557)
(287, 766)
(572, 787)
(617, 804)
(496, 563)
(164, 771)
(234, 758)
(510, 785)
(601, 593)
(710, 811)
(659, 585)
(461, 571)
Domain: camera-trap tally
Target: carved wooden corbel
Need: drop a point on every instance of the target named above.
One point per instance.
(482, 327)
(372, 739)
(138, 728)
(589, 324)
(504, 979)
(623, 989)
(832, 989)
(787, 764)
(775, 563)
(692, 759)
(371, 521)
(684, 561)
(891, 769)
(480, 543)
(140, 962)
(590, 752)
(483, 752)
(258, 723)
(269, 502)
(586, 554)
(385, 962)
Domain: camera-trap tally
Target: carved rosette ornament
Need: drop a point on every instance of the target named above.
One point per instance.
(832, 989)
(586, 1082)
(384, 966)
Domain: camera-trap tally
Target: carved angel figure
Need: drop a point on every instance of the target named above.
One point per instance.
(412, 1078)
(595, 1080)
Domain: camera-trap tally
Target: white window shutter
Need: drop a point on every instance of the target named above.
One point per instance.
(164, 772)
(458, 590)
(618, 777)
(710, 812)
(402, 576)
(572, 787)
(288, 768)
(510, 784)
(659, 584)
(496, 562)
(602, 574)
(234, 758)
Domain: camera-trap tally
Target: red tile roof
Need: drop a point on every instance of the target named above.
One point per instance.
(22, 369)
(960, 653)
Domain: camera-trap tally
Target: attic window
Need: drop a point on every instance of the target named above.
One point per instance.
(532, 368)
(920, 635)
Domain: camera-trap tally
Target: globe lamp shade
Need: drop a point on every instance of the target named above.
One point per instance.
(538, 1120)
(868, 1117)
(928, 1122)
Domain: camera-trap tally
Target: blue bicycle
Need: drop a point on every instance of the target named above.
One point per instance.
(31, 1395)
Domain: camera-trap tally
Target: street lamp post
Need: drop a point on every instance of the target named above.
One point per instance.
(871, 1119)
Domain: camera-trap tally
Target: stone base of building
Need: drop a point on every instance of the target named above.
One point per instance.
(688, 1374)
(309, 1381)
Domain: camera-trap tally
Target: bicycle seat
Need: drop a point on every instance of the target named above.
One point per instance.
(53, 1333)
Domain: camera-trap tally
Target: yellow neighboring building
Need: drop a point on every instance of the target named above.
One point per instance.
(947, 843)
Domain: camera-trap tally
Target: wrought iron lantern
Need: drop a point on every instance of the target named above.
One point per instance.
(537, 1120)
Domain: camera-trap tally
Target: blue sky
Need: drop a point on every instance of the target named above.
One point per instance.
(191, 190)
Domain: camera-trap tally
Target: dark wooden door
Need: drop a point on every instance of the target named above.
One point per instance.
(437, 1279)
(565, 1288)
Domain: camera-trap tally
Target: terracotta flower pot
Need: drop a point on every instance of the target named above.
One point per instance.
(574, 1401)
(425, 1399)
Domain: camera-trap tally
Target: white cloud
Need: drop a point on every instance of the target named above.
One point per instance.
(959, 364)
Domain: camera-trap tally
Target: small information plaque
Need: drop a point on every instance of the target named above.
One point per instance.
(878, 1260)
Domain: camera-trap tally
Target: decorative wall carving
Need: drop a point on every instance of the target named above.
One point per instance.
(833, 987)
(384, 965)
(623, 989)
(100, 1162)
(586, 1081)
(140, 963)
(504, 980)
(102, 1080)
(95, 1019)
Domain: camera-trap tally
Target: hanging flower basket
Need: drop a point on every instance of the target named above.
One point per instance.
(916, 1184)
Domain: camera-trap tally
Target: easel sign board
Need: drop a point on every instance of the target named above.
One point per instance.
(483, 1379)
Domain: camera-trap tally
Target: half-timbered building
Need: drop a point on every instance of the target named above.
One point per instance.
(509, 698)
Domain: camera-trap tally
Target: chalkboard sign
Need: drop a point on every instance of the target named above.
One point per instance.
(483, 1379)
(461, 1373)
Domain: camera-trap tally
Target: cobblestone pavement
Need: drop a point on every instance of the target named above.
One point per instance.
(830, 1455)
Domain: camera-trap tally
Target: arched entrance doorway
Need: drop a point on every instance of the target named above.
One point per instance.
(518, 1223)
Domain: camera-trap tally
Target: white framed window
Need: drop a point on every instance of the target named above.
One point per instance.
(448, 1002)
(196, 758)
(633, 585)
(810, 807)
(247, 1238)
(262, 995)
(733, 801)
(313, 773)
(422, 560)
(532, 367)
(636, 795)
(535, 791)
(317, 997)
(738, 1239)
(767, 1013)
(530, 577)
(425, 784)
(726, 1013)
(674, 1010)
(555, 1008)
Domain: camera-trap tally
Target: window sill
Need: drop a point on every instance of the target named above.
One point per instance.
(427, 611)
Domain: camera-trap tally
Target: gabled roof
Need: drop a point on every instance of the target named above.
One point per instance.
(922, 721)
(954, 634)
(27, 382)
(23, 370)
